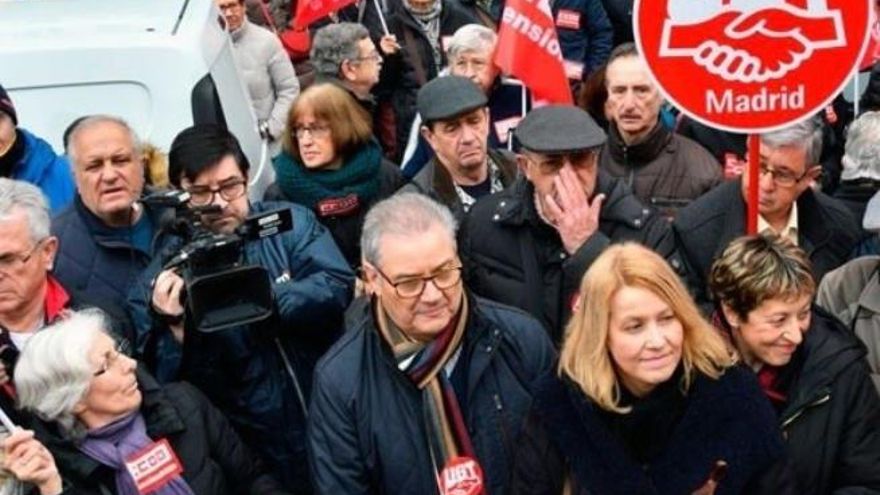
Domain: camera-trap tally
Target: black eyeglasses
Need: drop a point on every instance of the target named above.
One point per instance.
(202, 195)
(414, 287)
(551, 164)
(782, 178)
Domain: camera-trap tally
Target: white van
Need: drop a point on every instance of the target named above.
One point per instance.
(162, 65)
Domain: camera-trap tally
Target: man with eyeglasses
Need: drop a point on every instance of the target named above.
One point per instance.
(530, 245)
(456, 125)
(787, 206)
(427, 390)
(258, 374)
(343, 53)
(664, 169)
(30, 296)
(265, 67)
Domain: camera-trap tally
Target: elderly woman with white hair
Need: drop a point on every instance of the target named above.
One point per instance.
(113, 430)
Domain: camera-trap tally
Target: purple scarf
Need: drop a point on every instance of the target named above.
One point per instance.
(111, 444)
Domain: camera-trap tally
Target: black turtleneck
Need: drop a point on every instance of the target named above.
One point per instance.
(13, 156)
(645, 430)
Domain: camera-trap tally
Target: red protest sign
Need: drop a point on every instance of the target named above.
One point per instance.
(751, 65)
(528, 49)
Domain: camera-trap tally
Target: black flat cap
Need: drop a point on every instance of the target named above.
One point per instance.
(558, 129)
(449, 96)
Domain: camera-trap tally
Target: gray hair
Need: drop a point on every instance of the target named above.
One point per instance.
(807, 134)
(16, 195)
(471, 38)
(84, 123)
(861, 159)
(403, 214)
(334, 44)
(53, 373)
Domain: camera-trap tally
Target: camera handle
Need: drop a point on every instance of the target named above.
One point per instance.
(290, 371)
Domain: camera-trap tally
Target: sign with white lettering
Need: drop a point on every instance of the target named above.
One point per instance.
(751, 65)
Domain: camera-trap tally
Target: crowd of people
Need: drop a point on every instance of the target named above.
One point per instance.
(469, 295)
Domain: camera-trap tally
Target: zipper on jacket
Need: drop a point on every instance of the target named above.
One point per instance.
(818, 402)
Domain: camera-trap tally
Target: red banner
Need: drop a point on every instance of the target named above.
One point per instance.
(309, 11)
(529, 50)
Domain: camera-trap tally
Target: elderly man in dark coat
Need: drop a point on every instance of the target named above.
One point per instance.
(530, 245)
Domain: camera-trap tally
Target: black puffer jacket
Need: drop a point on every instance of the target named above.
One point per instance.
(215, 461)
(826, 231)
(510, 255)
(832, 416)
(367, 428)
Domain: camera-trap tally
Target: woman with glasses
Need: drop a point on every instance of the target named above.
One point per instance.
(332, 165)
(646, 398)
(811, 368)
(112, 430)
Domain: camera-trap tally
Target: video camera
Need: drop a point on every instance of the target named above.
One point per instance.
(221, 290)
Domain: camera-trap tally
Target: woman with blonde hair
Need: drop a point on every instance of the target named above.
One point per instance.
(647, 397)
(332, 164)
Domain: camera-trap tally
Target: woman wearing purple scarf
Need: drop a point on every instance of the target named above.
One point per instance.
(113, 430)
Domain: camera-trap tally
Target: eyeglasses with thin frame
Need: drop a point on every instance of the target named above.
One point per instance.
(782, 177)
(203, 195)
(11, 261)
(317, 131)
(373, 57)
(410, 288)
(119, 349)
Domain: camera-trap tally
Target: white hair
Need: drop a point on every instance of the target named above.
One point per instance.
(92, 120)
(861, 159)
(16, 195)
(471, 38)
(53, 373)
(403, 214)
(807, 134)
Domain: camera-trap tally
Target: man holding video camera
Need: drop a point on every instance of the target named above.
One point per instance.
(257, 373)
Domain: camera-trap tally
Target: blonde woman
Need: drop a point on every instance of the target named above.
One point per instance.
(647, 397)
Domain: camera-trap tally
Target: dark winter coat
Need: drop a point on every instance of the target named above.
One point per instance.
(92, 258)
(832, 417)
(510, 255)
(435, 181)
(620, 13)
(664, 170)
(585, 34)
(724, 420)
(367, 431)
(241, 369)
(826, 231)
(214, 460)
(346, 229)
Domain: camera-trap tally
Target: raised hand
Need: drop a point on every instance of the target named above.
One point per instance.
(573, 216)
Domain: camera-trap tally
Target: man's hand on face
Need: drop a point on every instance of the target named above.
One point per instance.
(574, 217)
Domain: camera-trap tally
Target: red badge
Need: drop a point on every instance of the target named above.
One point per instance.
(751, 65)
(153, 466)
(461, 476)
(338, 206)
(568, 19)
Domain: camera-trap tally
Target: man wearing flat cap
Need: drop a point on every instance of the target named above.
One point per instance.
(530, 245)
(456, 125)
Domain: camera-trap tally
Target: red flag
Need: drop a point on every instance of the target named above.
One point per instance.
(528, 49)
(872, 54)
(309, 11)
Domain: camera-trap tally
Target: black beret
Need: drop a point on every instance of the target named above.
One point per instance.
(558, 129)
(446, 97)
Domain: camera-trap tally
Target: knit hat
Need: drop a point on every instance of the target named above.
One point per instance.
(6, 105)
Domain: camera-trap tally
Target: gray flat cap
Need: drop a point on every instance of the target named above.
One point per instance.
(558, 129)
(449, 96)
(871, 220)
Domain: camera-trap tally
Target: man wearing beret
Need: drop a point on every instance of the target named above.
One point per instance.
(456, 125)
(26, 157)
(530, 245)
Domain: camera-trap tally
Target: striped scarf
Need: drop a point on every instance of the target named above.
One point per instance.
(424, 363)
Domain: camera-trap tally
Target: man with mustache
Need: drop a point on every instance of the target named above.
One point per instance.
(530, 245)
(787, 206)
(257, 374)
(456, 126)
(664, 170)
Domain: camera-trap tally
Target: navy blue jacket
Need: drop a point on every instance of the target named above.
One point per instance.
(93, 258)
(43, 168)
(585, 33)
(724, 420)
(366, 425)
(241, 369)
